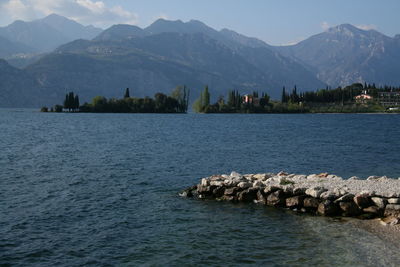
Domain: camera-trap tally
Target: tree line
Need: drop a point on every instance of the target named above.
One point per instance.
(177, 102)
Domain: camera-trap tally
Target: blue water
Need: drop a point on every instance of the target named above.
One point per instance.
(101, 189)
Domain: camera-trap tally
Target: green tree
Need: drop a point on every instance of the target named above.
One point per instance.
(76, 102)
(127, 95)
(206, 98)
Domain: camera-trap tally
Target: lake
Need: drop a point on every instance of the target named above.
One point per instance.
(102, 189)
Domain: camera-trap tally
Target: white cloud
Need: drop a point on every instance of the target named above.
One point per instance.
(93, 12)
(367, 27)
(325, 25)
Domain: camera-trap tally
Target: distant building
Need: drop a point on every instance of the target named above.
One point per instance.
(250, 99)
(389, 98)
(363, 98)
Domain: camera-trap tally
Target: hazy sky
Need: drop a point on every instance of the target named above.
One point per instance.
(274, 21)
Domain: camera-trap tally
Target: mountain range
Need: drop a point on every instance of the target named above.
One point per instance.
(92, 62)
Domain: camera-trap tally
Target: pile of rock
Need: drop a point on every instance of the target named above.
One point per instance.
(323, 194)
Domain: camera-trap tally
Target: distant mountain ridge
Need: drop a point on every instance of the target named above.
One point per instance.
(164, 55)
(346, 54)
(170, 53)
(44, 35)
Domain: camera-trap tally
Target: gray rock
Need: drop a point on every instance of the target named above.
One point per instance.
(349, 209)
(311, 203)
(244, 185)
(393, 207)
(328, 208)
(345, 198)
(288, 189)
(270, 188)
(276, 198)
(374, 210)
(258, 184)
(228, 198)
(362, 201)
(217, 183)
(373, 178)
(392, 210)
(339, 192)
(379, 202)
(204, 189)
(261, 198)
(218, 192)
(295, 202)
(394, 200)
(231, 191)
(299, 191)
(205, 182)
(315, 192)
(248, 195)
(235, 174)
(328, 195)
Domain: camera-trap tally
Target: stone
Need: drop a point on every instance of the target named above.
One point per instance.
(258, 184)
(204, 189)
(373, 178)
(362, 200)
(379, 202)
(354, 178)
(390, 220)
(311, 203)
(394, 200)
(235, 174)
(205, 182)
(367, 193)
(282, 173)
(228, 198)
(248, 195)
(295, 202)
(231, 191)
(260, 176)
(261, 197)
(315, 192)
(244, 185)
(328, 195)
(323, 175)
(328, 208)
(349, 209)
(345, 198)
(392, 210)
(189, 192)
(217, 183)
(219, 191)
(276, 198)
(299, 191)
(270, 188)
(215, 178)
(374, 210)
(288, 189)
(339, 192)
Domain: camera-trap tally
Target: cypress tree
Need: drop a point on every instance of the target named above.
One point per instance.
(127, 95)
(284, 99)
(76, 102)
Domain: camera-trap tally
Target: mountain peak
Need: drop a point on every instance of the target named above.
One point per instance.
(346, 29)
(120, 32)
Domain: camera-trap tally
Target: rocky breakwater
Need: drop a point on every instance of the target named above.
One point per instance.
(323, 194)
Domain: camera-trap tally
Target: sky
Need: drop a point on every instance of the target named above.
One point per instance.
(277, 22)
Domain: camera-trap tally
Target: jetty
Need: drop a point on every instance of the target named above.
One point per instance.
(322, 194)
